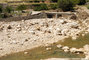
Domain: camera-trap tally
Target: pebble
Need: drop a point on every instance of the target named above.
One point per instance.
(1, 48)
(24, 32)
(86, 47)
(73, 50)
(25, 52)
(65, 48)
(59, 46)
(9, 27)
(48, 48)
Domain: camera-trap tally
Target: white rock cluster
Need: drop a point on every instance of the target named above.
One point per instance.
(84, 50)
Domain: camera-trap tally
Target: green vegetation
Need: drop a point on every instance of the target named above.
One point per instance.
(54, 0)
(66, 5)
(21, 7)
(39, 7)
(8, 9)
(53, 6)
(82, 2)
(76, 1)
(1, 9)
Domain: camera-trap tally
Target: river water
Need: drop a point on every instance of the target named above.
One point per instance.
(41, 52)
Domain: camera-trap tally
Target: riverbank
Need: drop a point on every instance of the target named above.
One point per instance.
(16, 36)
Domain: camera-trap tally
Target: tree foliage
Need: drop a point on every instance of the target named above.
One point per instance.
(66, 5)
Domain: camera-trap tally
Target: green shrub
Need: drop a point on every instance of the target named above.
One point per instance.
(1, 9)
(8, 9)
(53, 6)
(21, 7)
(88, 6)
(82, 2)
(76, 1)
(3, 15)
(39, 7)
(54, 0)
(66, 5)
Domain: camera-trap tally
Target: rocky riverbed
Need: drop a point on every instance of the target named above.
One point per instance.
(18, 36)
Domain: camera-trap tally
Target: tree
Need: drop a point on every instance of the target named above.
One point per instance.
(66, 5)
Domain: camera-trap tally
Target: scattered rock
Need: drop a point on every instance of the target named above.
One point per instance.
(1, 48)
(9, 27)
(59, 46)
(86, 48)
(74, 38)
(24, 32)
(25, 52)
(73, 50)
(74, 17)
(48, 48)
(1, 28)
(26, 40)
(65, 47)
(13, 42)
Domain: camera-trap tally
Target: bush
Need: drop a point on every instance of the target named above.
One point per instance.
(1, 9)
(21, 7)
(53, 6)
(82, 2)
(76, 1)
(3, 15)
(8, 9)
(54, 0)
(88, 6)
(39, 7)
(66, 5)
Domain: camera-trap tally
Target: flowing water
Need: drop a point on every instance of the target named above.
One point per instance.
(41, 52)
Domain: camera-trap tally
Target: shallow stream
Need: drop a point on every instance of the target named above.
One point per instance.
(41, 52)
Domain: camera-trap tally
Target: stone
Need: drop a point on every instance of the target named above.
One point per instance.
(18, 26)
(86, 48)
(25, 52)
(74, 38)
(87, 57)
(61, 21)
(48, 48)
(59, 46)
(24, 32)
(73, 50)
(74, 17)
(32, 32)
(14, 42)
(26, 40)
(1, 28)
(83, 34)
(23, 20)
(18, 29)
(9, 27)
(1, 48)
(65, 48)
